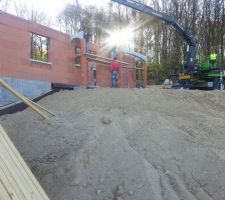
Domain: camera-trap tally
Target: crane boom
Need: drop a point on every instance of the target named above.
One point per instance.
(191, 40)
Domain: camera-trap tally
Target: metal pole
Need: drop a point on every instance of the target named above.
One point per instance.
(221, 80)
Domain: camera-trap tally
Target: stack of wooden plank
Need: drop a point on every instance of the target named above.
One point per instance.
(16, 180)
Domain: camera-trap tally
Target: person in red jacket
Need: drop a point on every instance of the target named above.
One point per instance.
(114, 68)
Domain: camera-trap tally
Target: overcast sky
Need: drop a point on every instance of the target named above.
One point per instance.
(53, 7)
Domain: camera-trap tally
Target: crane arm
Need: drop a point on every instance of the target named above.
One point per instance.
(186, 33)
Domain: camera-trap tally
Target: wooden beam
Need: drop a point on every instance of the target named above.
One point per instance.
(108, 63)
(93, 56)
(37, 108)
(99, 61)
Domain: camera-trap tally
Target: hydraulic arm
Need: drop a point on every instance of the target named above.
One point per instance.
(191, 40)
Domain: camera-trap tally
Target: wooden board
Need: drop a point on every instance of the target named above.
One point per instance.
(16, 180)
(36, 107)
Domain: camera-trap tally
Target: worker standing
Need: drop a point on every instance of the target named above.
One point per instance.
(94, 70)
(114, 68)
(213, 59)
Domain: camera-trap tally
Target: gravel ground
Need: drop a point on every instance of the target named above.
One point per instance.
(126, 144)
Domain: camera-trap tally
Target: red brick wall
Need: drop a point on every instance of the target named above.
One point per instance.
(15, 48)
(128, 75)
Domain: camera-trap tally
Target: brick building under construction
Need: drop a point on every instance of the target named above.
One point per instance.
(34, 58)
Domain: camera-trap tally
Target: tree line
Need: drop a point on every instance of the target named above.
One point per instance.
(164, 47)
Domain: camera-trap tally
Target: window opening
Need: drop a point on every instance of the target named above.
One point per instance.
(39, 47)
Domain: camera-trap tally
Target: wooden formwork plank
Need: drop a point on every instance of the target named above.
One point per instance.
(4, 194)
(37, 108)
(15, 176)
(13, 191)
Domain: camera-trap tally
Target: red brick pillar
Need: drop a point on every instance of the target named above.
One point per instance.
(83, 63)
(120, 58)
(145, 75)
(131, 72)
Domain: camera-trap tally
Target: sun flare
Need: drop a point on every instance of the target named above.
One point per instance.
(121, 38)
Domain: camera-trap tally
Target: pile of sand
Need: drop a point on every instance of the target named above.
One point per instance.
(123, 144)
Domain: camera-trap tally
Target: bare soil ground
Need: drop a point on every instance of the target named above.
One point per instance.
(126, 144)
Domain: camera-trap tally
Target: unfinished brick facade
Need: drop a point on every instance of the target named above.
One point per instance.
(15, 57)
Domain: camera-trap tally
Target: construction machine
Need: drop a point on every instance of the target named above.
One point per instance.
(195, 75)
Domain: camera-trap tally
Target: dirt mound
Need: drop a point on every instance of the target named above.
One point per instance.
(126, 144)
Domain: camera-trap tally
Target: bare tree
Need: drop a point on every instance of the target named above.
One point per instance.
(23, 11)
(4, 4)
(167, 49)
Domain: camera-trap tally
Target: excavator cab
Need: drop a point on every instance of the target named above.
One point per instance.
(209, 64)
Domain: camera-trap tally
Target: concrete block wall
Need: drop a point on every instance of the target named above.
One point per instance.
(28, 88)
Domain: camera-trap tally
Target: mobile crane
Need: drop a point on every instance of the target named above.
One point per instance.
(195, 75)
